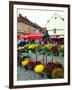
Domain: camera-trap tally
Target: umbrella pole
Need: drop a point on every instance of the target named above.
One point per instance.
(46, 59)
(43, 58)
(52, 57)
(36, 54)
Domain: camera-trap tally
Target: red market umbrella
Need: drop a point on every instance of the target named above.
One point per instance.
(22, 36)
(35, 36)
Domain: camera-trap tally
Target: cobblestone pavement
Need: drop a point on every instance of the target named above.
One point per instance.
(23, 74)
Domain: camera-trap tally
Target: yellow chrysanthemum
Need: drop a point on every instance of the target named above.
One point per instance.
(25, 62)
(27, 59)
(20, 48)
(32, 46)
(39, 68)
(48, 46)
(62, 46)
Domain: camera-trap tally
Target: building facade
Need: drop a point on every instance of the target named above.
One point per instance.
(25, 26)
(55, 25)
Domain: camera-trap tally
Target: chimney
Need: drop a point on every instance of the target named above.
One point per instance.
(20, 15)
(25, 17)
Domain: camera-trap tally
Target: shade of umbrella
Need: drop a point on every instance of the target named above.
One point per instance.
(35, 36)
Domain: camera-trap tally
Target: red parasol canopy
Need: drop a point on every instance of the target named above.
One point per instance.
(22, 36)
(35, 36)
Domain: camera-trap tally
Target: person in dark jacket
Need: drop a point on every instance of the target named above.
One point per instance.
(21, 43)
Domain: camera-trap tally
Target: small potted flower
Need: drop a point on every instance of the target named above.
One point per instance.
(39, 69)
(54, 49)
(25, 62)
(37, 63)
(30, 65)
(32, 47)
(58, 64)
(58, 73)
(48, 69)
(47, 49)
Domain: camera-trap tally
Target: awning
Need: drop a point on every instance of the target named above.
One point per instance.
(53, 36)
(61, 37)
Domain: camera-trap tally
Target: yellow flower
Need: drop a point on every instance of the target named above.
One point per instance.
(62, 46)
(20, 48)
(39, 68)
(26, 59)
(48, 46)
(32, 46)
(25, 62)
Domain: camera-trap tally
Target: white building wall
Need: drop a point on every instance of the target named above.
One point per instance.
(57, 24)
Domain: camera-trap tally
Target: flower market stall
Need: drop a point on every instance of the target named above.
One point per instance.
(50, 63)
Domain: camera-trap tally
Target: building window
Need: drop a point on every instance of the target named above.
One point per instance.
(55, 30)
(55, 17)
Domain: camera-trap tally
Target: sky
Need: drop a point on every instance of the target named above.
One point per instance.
(39, 16)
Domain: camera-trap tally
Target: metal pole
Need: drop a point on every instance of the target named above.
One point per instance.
(36, 54)
(43, 58)
(52, 57)
(46, 59)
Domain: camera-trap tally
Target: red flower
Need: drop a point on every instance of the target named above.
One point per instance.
(54, 48)
(49, 67)
(37, 63)
(30, 65)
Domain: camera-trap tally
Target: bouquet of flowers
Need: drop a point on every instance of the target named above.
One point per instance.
(47, 48)
(32, 47)
(25, 62)
(48, 69)
(30, 65)
(26, 46)
(39, 48)
(58, 73)
(54, 49)
(52, 70)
